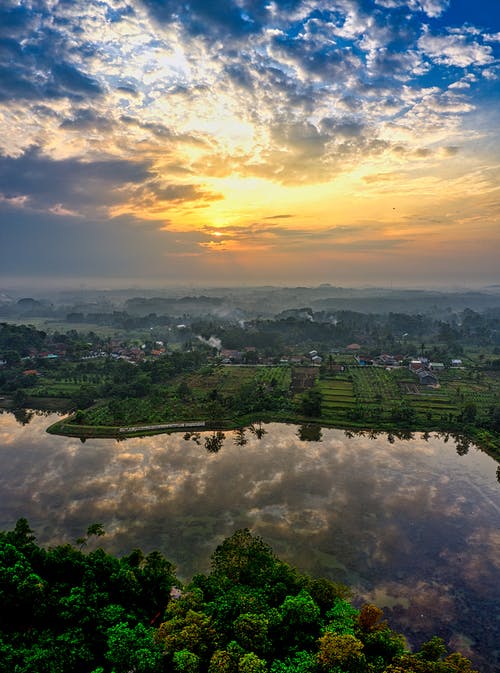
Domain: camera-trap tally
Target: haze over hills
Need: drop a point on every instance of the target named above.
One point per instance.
(243, 302)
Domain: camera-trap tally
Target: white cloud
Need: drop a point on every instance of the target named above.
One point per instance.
(455, 50)
(432, 8)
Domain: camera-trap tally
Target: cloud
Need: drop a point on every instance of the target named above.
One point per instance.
(433, 8)
(275, 238)
(101, 187)
(160, 112)
(210, 19)
(35, 57)
(455, 50)
(75, 184)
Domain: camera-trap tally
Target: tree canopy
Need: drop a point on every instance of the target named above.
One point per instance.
(66, 611)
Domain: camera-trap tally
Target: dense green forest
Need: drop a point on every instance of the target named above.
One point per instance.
(69, 610)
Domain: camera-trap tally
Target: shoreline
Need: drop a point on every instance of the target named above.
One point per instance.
(483, 439)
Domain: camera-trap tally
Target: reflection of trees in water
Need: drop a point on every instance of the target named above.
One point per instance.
(239, 437)
(213, 443)
(462, 445)
(193, 436)
(23, 416)
(309, 432)
(257, 430)
(498, 473)
(462, 442)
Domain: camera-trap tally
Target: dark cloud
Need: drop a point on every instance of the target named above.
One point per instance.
(316, 57)
(343, 127)
(87, 118)
(35, 182)
(183, 193)
(162, 132)
(72, 183)
(241, 76)
(211, 19)
(70, 79)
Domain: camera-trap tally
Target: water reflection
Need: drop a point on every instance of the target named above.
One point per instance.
(310, 433)
(215, 441)
(240, 438)
(409, 524)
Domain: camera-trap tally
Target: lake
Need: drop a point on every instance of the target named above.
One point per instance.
(409, 524)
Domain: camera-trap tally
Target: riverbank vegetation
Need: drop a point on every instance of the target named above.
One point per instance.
(280, 372)
(70, 610)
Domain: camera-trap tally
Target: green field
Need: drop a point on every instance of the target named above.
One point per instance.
(358, 397)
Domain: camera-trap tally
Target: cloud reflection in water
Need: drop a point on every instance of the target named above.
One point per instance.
(409, 524)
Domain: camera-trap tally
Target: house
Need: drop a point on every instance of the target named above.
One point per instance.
(427, 378)
(363, 360)
(386, 360)
(353, 347)
(436, 366)
(456, 363)
(230, 356)
(316, 359)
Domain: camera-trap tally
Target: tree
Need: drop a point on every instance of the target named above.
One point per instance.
(222, 661)
(342, 618)
(157, 579)
(370, 617)
(133, 649)
(250, 663)
(300, 620)
(12, 358)
(341, 653)
(433, 650)
(311, 403)
(186, 662)
(19, 398)
(251, 632)
(244, 558)
(469, 412)
(302, 662)
(403, 413)
(184, 392)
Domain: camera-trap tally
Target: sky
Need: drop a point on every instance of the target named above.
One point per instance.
(153, 142)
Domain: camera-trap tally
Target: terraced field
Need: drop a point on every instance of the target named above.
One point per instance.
(372, 384)
(338, 398)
